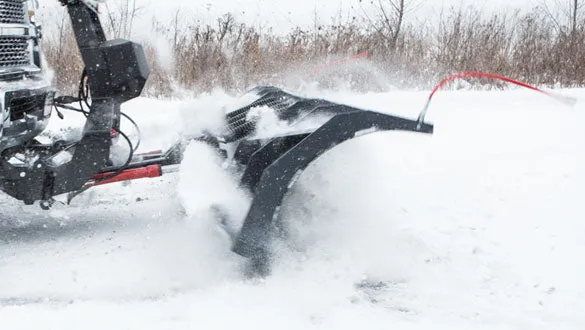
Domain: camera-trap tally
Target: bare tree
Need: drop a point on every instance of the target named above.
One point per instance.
(566, 14)
(390, 16)
(121, 17)
(576, 12)
(394, 19)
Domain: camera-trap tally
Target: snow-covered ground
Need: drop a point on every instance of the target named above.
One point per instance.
(478, 226)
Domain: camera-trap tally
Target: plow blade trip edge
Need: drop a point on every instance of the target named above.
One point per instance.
(260, 226)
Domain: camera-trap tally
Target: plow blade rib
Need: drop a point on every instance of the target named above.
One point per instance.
(266, 156)
(261, 224)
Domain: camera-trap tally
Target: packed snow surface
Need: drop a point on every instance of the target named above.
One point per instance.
(479, 226)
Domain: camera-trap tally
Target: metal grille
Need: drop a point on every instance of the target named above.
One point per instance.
(238, 123)
(14, 52)
(12, 11)
(19, 107)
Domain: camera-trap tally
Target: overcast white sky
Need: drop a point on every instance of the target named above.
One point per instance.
(282, 15)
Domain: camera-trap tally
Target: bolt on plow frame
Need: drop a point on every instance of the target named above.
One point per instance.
(115, 72)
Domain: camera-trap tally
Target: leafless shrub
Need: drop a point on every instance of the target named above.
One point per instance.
(61, 52)
(234, 56)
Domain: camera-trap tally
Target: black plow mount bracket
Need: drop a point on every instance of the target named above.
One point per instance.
(272, 165)
(117, 71)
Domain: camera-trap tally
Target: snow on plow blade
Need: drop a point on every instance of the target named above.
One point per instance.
(272, 165)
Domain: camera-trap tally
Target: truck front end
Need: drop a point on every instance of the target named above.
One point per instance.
(25, 91)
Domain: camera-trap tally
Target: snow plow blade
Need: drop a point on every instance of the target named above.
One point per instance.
(272, 167)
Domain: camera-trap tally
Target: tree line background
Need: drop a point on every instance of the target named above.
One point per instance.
(544, 46)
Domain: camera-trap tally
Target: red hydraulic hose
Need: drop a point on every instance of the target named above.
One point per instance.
(153, 171)
(477, 74)
(338, 62)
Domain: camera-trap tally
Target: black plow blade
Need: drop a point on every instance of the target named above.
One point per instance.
(272, 167)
